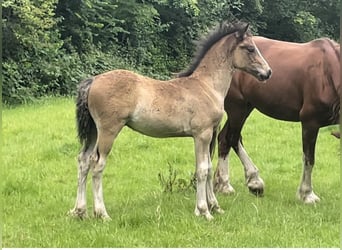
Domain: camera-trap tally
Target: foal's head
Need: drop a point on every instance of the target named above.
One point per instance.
(247, 57)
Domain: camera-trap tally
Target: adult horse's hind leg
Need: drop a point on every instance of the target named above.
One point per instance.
(221, 175)
(309, 137)
(104, 144)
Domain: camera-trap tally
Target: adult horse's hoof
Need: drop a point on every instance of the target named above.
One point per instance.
(256, 187)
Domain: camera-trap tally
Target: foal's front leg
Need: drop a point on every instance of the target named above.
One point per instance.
(205, 197)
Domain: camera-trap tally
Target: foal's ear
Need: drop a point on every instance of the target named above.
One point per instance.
(245, 28)
(241, 33)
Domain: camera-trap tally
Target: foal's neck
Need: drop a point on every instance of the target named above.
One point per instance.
(216, 68)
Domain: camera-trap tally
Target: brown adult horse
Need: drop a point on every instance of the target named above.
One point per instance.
(188, 106)
(305, 87)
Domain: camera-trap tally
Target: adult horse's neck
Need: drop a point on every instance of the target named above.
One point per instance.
(216, 67)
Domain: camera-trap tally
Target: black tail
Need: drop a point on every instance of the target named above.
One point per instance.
(85, 122)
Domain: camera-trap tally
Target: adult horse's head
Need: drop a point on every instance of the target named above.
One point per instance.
(246, 55)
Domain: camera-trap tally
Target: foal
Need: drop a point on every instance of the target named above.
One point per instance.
(188, 106)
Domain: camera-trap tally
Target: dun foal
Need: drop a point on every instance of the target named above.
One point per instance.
(188, 106)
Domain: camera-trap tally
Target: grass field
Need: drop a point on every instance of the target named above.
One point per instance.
(39, 187)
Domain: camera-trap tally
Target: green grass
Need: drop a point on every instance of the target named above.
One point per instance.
(39, 160)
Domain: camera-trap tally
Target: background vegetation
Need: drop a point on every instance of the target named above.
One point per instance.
(39, 154)
(50, 45)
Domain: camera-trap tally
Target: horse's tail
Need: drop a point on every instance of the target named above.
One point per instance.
(85, 122)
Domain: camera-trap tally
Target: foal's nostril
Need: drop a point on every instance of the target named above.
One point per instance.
(267, 75)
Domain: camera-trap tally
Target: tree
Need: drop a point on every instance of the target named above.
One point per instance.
(87, 23)
(31, 44)
(50, 45)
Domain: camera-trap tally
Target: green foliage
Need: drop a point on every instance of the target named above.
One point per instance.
(30, 49)
(49, 46)
(306, 25)
(86, 23)
(140, 34)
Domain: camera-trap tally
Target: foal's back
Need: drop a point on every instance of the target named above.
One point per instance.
(152, 107)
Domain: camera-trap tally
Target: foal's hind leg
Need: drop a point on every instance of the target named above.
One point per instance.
(84, 164)
(104, 144)
(211, 198)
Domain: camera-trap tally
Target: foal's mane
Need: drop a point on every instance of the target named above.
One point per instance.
(219, 31)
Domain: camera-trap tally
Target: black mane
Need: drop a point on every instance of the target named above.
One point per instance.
(221, 30)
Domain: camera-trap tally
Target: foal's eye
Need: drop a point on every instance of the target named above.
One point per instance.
(250, 49)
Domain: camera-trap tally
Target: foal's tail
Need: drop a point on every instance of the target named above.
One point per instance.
(85, 122)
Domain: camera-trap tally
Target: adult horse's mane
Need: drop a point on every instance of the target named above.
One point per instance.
(219, 31)
(336, 47)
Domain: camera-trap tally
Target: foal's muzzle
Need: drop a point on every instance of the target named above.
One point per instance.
(262, 76)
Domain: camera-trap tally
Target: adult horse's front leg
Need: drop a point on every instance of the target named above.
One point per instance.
(309, 137)
(253, 181)
(230, 137)
(205, 197)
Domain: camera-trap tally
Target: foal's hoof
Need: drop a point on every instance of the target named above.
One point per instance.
(106, 219)
(209, 217)
(218, 210)
(78, 213)
(207, 214)
(103, 216)
(308, 198)
(226, 189)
